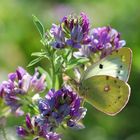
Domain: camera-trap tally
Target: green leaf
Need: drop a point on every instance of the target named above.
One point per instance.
(75, 62)
(38, 54)
(33, 62)
(39, 26)
(57, 62)
(57, 84)
(48, 77)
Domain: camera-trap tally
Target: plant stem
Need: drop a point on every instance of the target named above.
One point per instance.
(51, 56)
(53, 74)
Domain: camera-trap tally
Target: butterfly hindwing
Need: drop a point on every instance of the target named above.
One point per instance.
(106, 93)
(117, 64)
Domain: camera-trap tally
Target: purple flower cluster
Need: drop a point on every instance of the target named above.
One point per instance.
(106, 40)
(75, 32)
(20, 83)
(72, 31)
(58, 108)
(32, 129)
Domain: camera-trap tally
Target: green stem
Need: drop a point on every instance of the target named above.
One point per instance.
(64, 60)
(32, 104)
(53, 74)
(51, 52)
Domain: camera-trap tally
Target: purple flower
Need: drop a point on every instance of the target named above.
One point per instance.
(79, 30)
(19, 84)
(61, 106)
(72, 31)
(21, 131)
(76, 37)
(58, 35)
(85, 23)
(106, 40)
(37, 83)
(52, 136)
(33, 129)
(84, 51)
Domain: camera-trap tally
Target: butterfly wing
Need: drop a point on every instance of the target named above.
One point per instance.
(117, 64)
(105, 93)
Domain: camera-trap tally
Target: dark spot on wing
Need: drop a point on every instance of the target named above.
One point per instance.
(101, 66)
(121, 66)
(119, 71)
(117, 51)
(115, 81)
(119, 97)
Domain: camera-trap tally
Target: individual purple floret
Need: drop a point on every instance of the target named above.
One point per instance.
(19, 84)
(59, 37)
(32, 129)
(21, 131)
(52, 136)
(84, 51)
(106, 40)
(61, 106)
(85, 23)
(37, 83)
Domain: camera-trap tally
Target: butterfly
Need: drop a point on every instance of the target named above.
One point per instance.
(104, 84)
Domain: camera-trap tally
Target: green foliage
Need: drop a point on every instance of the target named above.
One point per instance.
(33, 62)
(39, 26)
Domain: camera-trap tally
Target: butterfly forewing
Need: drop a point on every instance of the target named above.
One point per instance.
(117, 64)
(106, 93)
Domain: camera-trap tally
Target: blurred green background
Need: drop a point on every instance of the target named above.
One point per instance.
(19, 37)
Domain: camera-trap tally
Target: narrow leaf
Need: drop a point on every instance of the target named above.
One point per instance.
(33, 62)
(75, 62)
(39, 26)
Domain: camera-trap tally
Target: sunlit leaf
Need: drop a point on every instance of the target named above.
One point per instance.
(74, 62)
(39, 26)
(33, 62)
